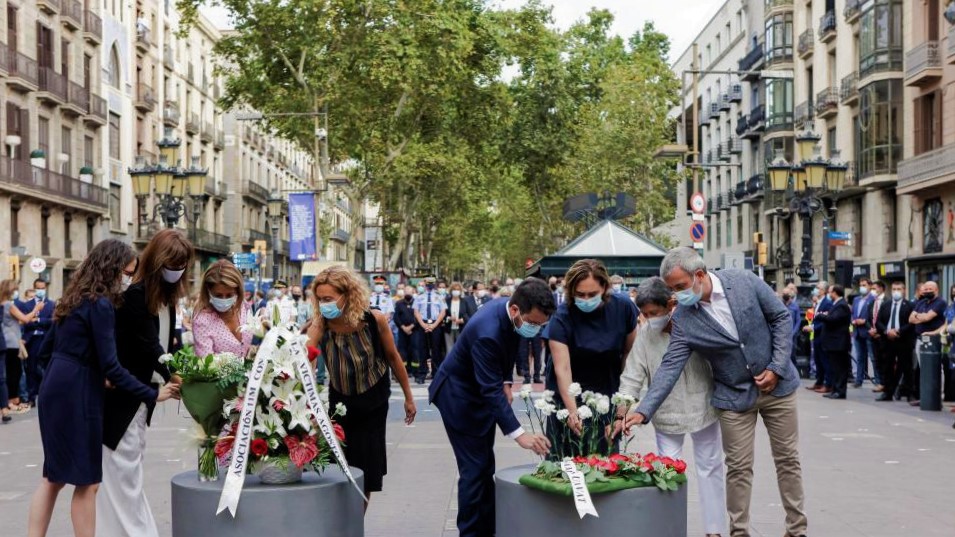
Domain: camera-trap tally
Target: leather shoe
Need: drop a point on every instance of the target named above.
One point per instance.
(814, 387)
(914, 403)
(824, 389)
(834, 395)
(884, 397)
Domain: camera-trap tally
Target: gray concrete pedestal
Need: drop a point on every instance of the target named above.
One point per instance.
(321, 505)
(642, 512)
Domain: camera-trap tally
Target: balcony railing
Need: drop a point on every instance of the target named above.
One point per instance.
(742, 125)
(734, 146)
(714, 110)
(773, 4)
(927, 167)
(750, 63)
(22, 67)
(20, 173)
(827, 102)
(757, 117)
(72, 14)
(252, 235)
(801, 114)
(806, 44)
(725, 105)
(827, 27)
(340, 235)
(736, 93)
(79, 97)
(53, 83)
(98, 107)
(208, 134)
(48, 6)
(142, 39)
(739, 194)
(255, 190)
(754, 186)
(192, 123)
(168, 57)
(145, 98)
(923, 64)
(852, 10)
(170, 113)
(849, 88)
(92, 27)
(212, 242)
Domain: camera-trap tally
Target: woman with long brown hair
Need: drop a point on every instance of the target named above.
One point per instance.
(358, 350)
(81, 352)
(144, 332)
(220, 314)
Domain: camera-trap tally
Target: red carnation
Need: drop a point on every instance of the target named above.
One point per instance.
(259, 447)
(580, 459)
(608, 466)
(339, 432)
(679, 466)
(667, 461)
(619, 458)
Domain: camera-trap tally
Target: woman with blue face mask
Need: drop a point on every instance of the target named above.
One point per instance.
(220, 312)
(589, 338)
(358, 349)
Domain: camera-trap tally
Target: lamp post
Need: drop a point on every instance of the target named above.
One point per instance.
(172, 182)
(806, 184)
(276, 209)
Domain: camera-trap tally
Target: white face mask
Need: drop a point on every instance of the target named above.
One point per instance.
(126, 282)
(481, 293)
(657, 324)
(172, 276)
(222, 305)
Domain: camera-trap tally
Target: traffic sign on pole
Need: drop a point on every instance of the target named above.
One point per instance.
(697, 232)
(697, 203)
(840, 235)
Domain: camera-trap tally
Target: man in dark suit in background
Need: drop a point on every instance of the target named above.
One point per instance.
(861, 343)
(33, 334)
(823, 376)
(836, 342)
(898, 341)
(405, 321)
(472, 391)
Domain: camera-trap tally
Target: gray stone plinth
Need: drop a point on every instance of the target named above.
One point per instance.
(640, 512)
(325, 505)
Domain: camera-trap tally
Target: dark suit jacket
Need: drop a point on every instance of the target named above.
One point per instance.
(404, 315)
(906, 329)
(468, 309)
(468, 388)
(817, 325)
(835, 336)
(861, 306)
(40, 326)
(137, 344)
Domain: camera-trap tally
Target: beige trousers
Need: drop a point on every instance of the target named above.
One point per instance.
(739, 434)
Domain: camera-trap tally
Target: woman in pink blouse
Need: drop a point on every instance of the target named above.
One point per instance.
(220, 313)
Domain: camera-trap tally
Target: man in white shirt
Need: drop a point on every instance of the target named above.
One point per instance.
(287, 310)
(380, 300)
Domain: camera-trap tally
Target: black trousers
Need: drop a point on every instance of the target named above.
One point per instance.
(823, 372)
(428, 346)
(529, 361)
(34, 370)
(475, 458)
(406, 350)
(896, 365)
(840, 363)
(14, 372)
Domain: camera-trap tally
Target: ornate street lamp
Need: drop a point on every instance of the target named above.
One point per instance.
(172, 183)
(276, 210)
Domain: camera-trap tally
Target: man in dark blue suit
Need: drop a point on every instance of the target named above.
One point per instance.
(835, 341)
(862, 348)
(823, 376)
(33, 334)
(472, 391)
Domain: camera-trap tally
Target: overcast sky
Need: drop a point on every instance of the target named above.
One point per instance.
(682, 20)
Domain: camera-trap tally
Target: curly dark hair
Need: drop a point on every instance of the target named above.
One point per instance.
(98, 276)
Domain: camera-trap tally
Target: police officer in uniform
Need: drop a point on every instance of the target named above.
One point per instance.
(429, 311)
(381, 300)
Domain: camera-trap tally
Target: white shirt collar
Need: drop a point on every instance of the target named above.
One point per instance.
(717, 285)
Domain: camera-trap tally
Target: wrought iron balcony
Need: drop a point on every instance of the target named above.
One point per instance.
(849, 90)
(801, 115)
(754, 187)
(827, 103)
(927, 168)
(757, 118)
(145, 98)
(742, 125)
(725, 105)
(168, 58)
(255, 191)
(340, 235)
(170, 114)
(806, 44)
(72, 14)
(92, 27)
(252, 235)
(143, 41)
(734, 146)
(48, 6)
(98, 110)
(750, 64)
(827, 27)
(736, 93)
(739, 194)
(52, 86)
(211, 242)
(923, 64)
(722, 200)
(192, 123)
(22, 72)
(714, 111)
(852, 10)
(23, 178)
(78, 100)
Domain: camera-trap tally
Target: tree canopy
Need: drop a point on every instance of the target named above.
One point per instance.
(469, 125)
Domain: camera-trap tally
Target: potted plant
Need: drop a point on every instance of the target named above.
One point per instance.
(38, 158)
(86, 174)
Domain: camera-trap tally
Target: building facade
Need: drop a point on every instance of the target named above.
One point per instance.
(833, 69)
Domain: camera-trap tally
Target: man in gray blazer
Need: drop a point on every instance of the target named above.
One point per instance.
(736, 321)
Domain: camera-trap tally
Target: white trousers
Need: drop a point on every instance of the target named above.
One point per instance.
(708, 458)
(121, 506)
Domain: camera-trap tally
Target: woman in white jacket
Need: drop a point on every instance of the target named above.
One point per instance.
(687, 409)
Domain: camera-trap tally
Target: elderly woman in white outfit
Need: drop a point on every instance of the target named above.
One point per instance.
(687, 409)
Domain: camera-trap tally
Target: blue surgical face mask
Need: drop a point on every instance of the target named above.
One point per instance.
(420, 289)
(588, 305)
(379, 288)
(526, 330)
(222, 305)
(689, 296)
(41, 294)
(330, 310)
(815, 291)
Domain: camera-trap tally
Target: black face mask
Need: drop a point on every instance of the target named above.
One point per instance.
(408, 298)
(297, 297)
(928, 296)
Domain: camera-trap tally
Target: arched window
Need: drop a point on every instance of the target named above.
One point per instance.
(114, 74)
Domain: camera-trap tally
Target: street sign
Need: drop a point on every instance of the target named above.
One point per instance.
(840, 242)
(733, 260)
(697, 217)
(245, 260)
(767, 73)
(840, 235)
(37, 265)
(697, 203)
(698, 246)
(697, 231)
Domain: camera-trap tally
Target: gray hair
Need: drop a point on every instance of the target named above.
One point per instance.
(653, 291)
(616, 278)
(684, 258)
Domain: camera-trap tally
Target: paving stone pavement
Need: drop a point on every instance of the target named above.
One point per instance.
(870, 470)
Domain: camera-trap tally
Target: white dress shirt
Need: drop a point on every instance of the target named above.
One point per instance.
(719, 308)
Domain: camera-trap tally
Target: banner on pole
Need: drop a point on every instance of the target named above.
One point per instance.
(301, 210)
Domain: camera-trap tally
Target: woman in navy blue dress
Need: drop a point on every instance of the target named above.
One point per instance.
(589, 338)
(81, 354)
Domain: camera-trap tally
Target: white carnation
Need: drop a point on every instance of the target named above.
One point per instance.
(574, 389)
(587, 396)
(548, 409)
(548, 395)
(340, 409)
(563, 414)
(603, 405)
(525, 392)
(540, 404)
(620, 398)
(584, 413)
(165, 358)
